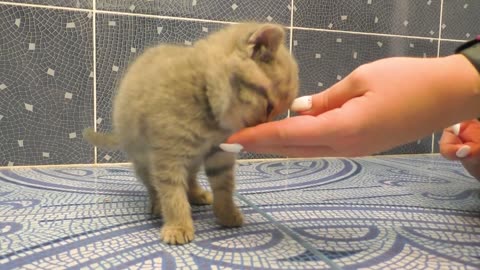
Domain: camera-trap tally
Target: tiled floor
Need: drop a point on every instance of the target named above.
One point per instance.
(404, 212)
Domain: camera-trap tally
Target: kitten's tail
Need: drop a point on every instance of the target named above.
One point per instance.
(103, 140)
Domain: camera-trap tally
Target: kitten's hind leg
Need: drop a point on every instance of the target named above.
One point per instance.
(169, 179)
(219, 168)
(196, 194)
(143, 173)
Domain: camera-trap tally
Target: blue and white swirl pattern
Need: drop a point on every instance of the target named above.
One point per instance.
(418, 212)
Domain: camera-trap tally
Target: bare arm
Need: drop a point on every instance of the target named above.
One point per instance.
(378, 106)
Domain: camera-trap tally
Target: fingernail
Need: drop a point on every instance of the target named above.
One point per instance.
(231, 147)
(302, 104)
(463, 151)
(456, 129)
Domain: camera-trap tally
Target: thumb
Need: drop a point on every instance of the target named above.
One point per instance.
(330, 99)
(449, 144)
(460, 151)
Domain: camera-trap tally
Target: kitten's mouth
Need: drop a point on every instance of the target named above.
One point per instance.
(247, 123)
(269, 108)
(253, 123)
(266, 118)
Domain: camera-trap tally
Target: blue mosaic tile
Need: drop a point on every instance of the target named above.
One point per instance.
(325, 58)
(46, 86)
(448, 47)
(98, 218)
(403, 181)
(460, 19)
(400, 17)
(421, 146)
(277, 11)
(377, 212)
(383, 238)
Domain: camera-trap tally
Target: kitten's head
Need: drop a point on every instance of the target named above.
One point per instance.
(256, 77)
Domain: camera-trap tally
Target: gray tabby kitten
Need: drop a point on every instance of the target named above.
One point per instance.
(175, 105)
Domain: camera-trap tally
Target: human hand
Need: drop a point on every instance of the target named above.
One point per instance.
(378, 106)
(464, 147)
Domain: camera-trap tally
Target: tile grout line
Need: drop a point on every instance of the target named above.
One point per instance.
(433, 143)
(440, 28)
(292, 10)
(454, 40)
(291, 39)
(45, 6)
(217, 21)
(291, 27)
(363, 33)
(289, 232)
(94, 33)
(114, 12)
(438, 55)
(163, 17)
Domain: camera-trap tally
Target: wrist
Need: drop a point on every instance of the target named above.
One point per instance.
(468, 75)
(461, 80)
(471, 71)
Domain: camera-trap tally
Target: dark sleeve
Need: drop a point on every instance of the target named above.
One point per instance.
(471, 50)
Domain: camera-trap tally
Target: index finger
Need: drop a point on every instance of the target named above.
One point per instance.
(299, 130)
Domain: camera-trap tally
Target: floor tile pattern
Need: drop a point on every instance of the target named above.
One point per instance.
(395, 212)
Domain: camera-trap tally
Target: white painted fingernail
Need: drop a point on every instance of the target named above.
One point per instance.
(456, 129)
(302, 104)
(463, 151)
(231, 147)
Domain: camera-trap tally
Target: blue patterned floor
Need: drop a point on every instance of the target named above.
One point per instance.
(410, 212)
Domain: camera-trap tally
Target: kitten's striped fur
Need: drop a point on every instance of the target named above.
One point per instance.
(175, 105)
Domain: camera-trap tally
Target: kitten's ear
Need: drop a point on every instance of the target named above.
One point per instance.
(264, 42)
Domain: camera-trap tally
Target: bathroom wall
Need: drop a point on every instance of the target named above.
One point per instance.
(60, 60)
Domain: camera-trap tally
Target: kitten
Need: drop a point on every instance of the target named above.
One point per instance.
(175, 105)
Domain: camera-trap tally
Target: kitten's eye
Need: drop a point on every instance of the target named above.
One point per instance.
(269, 108)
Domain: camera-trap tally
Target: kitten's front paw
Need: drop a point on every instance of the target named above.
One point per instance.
(200, 197)
(176, 235)
(229, 217)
